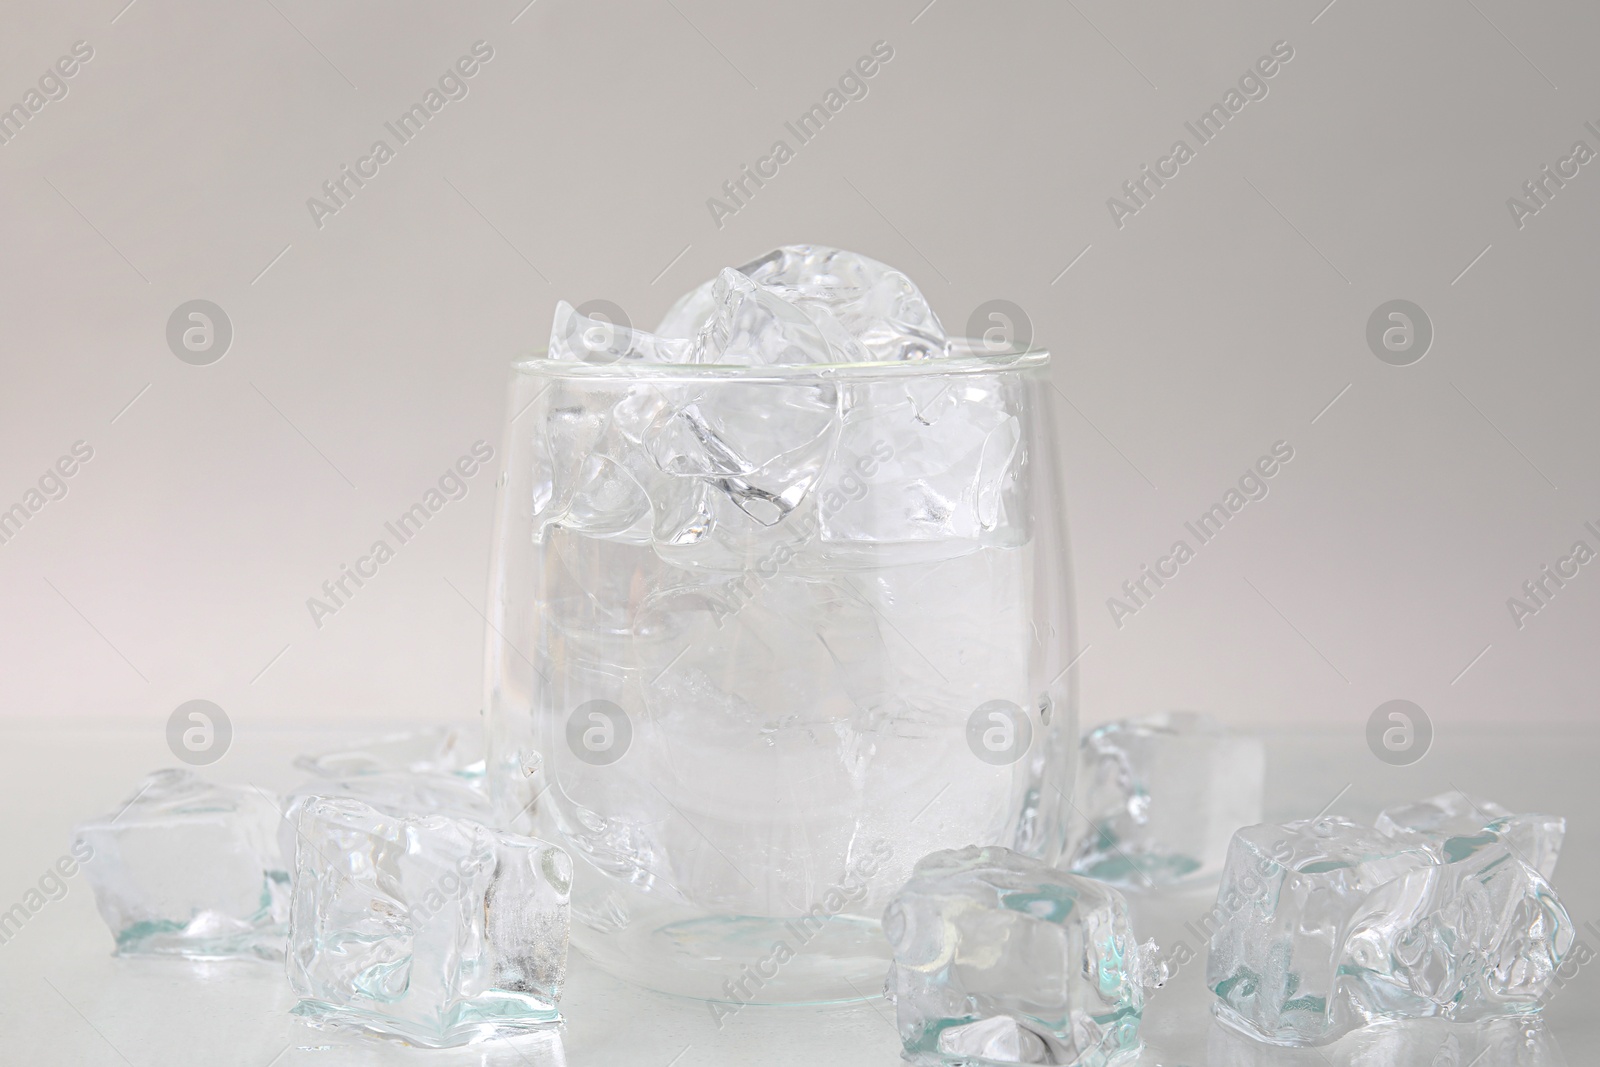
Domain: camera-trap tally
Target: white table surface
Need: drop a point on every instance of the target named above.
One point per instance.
(65, 1001)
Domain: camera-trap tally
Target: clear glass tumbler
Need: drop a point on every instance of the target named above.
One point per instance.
(761, 637)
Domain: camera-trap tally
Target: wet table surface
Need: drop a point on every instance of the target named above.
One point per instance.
(65, 1001)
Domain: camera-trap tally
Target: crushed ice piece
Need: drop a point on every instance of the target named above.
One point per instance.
(429, 928)
(188, 868)
(1000, 959)
(1158, 798)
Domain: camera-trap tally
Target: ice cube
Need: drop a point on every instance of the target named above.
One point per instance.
(867, 311)
(433, 929)
(750, 325)
(588, 475)
(647, 462)
(1324, 927)
(878, 306)
(608, 501)
(927, 462)
(1000, 959)
(689, 312)
(394, 792)
(762, 445)
(188, 868)
(1160, 797)
(437, 750)
(1536, 839)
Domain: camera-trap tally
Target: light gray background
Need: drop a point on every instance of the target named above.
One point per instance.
(1223, 317)
(370, 353)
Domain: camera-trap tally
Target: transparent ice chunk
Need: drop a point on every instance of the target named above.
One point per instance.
(1000, 959)
(689, 312)
(188, 868)
(924, 462)
(877, 305)
(749, 324)
(1324, 927)
(648, 464)
(437, 750)
(867, 311)
(589, 477)
(1536, 839)
(394, 792)
(651, 462)
(429, 928)
(1160, 797)
(607, 501)
(764, 446)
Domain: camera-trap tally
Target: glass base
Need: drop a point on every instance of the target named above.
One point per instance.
(739, 960)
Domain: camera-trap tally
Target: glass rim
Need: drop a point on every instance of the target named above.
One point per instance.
(970, 356)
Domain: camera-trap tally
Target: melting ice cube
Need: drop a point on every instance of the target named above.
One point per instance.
(395, 792)
(1536, 839)
(1324, 927)
(430, 928)
(998, 958)
(1160, 797)
(188, 868)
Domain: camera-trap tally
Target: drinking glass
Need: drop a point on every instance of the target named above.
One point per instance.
(761, 637)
